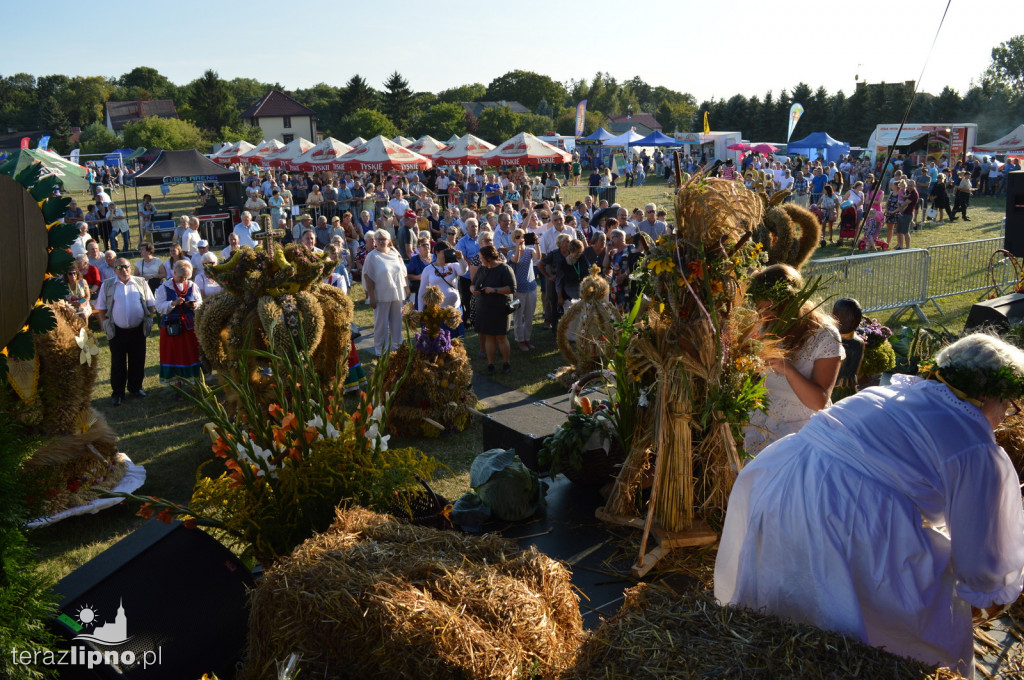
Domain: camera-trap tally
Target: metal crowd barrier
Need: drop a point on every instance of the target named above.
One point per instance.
(891, 280)
(908, 279)
(958, 268)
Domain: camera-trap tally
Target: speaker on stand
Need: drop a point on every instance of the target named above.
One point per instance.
(1013, 239)
(164, 602)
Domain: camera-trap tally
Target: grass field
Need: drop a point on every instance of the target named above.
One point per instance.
(165, 435)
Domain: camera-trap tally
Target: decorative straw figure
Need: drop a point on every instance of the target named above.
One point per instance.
(593, 320)
(699, 343)
(437, 393)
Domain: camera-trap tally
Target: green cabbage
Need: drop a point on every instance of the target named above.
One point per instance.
(510, 489)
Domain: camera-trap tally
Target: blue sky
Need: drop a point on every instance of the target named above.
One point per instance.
(710, 49)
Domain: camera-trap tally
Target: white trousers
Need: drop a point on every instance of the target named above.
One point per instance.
(522, 320)
(387, 326)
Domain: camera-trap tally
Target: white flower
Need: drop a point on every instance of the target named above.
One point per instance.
(87, 343)
(377, 415)
(372, 432)
(382, 444)
(332, 432)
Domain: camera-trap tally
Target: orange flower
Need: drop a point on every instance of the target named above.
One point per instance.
(146, 511)
(275, 410)
(696, 269)
(165, 516)
(281, 435)
(310, 434)
(190, 523)
(295, 454)
(288, 422)
(221, 448)
(716, 287)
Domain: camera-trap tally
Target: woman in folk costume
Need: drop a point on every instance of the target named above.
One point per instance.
(176, 302)
(893, 516)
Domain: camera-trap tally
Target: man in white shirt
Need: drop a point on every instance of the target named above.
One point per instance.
(548, 240)
(232, 245)
(125, 307)
(190, 238)
(78, 245)
(398, 205)
(202, 248)
(503, 234)
(245, 229)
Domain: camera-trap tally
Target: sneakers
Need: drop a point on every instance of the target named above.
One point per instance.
(506, 368)
(966, 218)
(490, 369)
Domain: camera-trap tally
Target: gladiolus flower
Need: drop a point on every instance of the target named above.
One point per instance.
(165, 516)
(275, 410)
(190, 523)
(146, 511)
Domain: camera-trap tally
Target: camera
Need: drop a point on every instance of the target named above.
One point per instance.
(530, 238)
(450, 256)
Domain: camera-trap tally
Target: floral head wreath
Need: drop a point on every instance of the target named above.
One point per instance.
(971, 384)
(774, 293)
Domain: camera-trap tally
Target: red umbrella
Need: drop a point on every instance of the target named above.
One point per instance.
(740, 146)
(323, 156)
(288, 153)
(764, 148)
(466, 151)
(380, 153)
(524, 149)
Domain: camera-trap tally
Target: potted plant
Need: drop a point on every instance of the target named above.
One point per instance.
(586, 449)
(879, 356)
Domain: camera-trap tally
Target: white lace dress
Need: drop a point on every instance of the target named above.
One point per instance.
(786, 413)
(886, 517)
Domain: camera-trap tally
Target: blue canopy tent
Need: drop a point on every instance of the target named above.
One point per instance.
(596, 137)
(656, 138)
(117, 156)
(818, 144)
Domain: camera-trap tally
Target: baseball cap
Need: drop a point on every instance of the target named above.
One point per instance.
(410, 213)
(203, 244)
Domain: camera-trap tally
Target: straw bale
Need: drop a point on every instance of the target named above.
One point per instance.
(376, 597)
(1011, 437)
(659, 633)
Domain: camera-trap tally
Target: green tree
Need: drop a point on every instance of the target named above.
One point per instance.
(96, 138)
(365, 123)
(85, 99)
(535, 124)
(212, 106)
(144, 83)
(19, 102)
(250, 133)
(543, 109)
(163, 133)
(527, 88)
(565, 124)
(397, 100)
(498, 123)
(55, 122)
(675, 116)
(248, 91)
(947, 104)
(1007, 65)
(357, 94)
(472, 92)
(442, 121)
(326, 101)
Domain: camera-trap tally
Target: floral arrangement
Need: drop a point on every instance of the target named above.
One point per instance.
(879, 355)
(564, 450)
(439, 344)
(1002, 383)
(283, 471)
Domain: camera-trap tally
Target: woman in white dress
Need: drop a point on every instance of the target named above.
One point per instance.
(893, 516)
(800, 383)
(387, 287)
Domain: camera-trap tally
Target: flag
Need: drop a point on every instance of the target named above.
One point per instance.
(707, 126)
(43, 142)
(581, 117)
(74, 155)
(24, 142)
(795, 111)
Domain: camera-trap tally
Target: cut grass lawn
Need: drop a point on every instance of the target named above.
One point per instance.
(165, 434)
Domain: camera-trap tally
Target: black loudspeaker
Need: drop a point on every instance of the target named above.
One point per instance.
(164, 602)
(1013, 240)
(999, 313)
(522, 427)
(234, 194)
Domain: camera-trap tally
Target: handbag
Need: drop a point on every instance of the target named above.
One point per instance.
(931, 213)
(172, 326)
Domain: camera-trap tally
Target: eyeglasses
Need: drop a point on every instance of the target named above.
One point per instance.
(1012, 410)
(121, 266)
